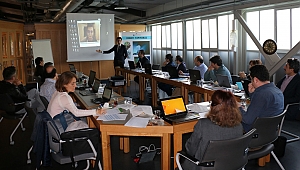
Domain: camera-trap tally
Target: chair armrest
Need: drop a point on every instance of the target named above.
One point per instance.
(291, 104)
(186, 156)
(16, 104)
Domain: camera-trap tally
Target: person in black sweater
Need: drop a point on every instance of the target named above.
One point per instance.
(13, 87)
(120, 53)
(141, 63)
(39, 67)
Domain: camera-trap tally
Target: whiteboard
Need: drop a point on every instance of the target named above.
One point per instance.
(42, 48)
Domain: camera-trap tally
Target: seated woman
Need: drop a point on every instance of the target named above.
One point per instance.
(61, 100)
(252, 63)
(223, 122)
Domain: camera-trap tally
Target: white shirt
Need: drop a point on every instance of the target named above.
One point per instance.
(61, 101)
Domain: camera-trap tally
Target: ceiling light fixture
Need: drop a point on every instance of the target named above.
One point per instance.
(121, 5)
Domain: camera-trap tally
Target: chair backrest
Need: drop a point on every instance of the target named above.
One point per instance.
(54, 137)
(155, 66)
(228, 154)
(45, 101)
(267, 130)
(6, 103)
(235, 78)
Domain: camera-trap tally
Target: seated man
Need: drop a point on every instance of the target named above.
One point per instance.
(13, 87)
(290, 86)
(168, 62)
(39, 67)
(47, 69)
(199, 65)
(141, 63)
(48, 87)
(266, 98)
(180, 68)
(216, 67)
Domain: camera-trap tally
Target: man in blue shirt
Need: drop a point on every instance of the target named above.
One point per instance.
(216, 67)
(266, 99)
(199, 65)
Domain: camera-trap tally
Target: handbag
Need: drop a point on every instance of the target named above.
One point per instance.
(63, 120)
(146, 154)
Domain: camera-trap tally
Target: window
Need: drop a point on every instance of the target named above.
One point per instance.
(189, 35)
(252, 20)
(205, 34)
(154, 39)
(223, 31)
(283, 29)
(213, 38)
(197, 34)
(266, 25)
(295, 26)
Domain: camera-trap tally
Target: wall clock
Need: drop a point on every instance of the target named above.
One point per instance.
(270, 47)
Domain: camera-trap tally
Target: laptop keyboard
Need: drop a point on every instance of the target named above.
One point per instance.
(185, 118)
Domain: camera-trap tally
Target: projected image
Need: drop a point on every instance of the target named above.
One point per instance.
(89, 33)
(141, 45)
(128, 45)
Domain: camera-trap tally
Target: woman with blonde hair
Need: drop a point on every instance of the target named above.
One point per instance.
(223, 122)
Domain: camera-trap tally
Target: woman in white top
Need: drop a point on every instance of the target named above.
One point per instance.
(61, 100)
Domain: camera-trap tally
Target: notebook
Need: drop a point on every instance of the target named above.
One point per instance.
(148, 69)
(175, 111)
(105, 97)
(223, 81)
(172, 72)
(93, 91)
(194, 75)
(131, 65)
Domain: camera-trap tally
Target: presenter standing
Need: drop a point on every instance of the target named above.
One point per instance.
(120, 53)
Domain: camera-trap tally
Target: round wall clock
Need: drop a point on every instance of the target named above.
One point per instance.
(270, 47)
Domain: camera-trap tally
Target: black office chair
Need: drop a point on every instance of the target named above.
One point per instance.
(222, 154)
(235, 78)
(7, 111)
(155, 66)
(45, 101)
(267, 130)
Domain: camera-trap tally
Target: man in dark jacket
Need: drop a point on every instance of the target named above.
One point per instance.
(290, 87)
(141, 63)
(13, 87)
(120, 53)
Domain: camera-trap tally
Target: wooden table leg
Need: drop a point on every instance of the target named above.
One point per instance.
(165, 151)
(154, 92)
(126, 145)
(142, 88)
(121, 143)
(177, 145)
(106, 152)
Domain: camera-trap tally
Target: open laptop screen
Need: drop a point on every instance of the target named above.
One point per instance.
(194, 75)
(148, 69)
(91, 78)
(96, 85)
(223, 81)
(173, 106)
(107, 93)
(131, 65)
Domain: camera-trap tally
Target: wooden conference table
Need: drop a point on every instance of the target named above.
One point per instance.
(164, 132)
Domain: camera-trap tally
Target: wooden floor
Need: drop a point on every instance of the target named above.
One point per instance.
(15, 157)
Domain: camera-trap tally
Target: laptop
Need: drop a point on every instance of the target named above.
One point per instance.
(91, 78)
(223, 81)
(172, 72)
(194, 75)
(93, 91)
(245, 86)
(131, 65)
(148, 69)
(175, 111)
(105, 97)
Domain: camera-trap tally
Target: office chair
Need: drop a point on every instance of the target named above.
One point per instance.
(294, 136)
(267, 130)
(45, 101)
(235, 78)
(222, 154)
(7, 111)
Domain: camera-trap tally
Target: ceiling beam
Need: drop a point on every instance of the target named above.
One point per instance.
(14, 6)
(8, 15)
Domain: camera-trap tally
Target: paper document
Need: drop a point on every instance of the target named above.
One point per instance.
(137, 122)
(197, 108)
(125, 106)
(110, 117)
(141, 109)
